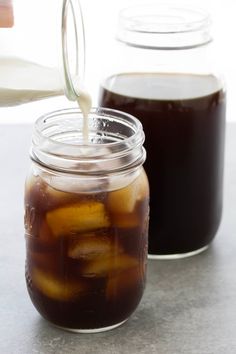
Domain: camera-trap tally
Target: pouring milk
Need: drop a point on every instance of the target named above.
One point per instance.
(23, 82)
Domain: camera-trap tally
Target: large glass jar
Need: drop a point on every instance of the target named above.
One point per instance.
(86, 219)
(163, 71)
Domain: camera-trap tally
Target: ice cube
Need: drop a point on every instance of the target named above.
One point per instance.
(78, 217)
(114, 263)
(57, 191)
(57, 194)
(73, 184)
(142, 186)
(119, 283)
(43, 197)
(124, 200)
(89, 247)
(54, 288)
(126, 221)
(60, 186)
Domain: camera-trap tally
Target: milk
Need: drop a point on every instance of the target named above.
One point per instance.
(22, 81)
(84, 101)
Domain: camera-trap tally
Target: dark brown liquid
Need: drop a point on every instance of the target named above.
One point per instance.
(86, 253)
(183, 117)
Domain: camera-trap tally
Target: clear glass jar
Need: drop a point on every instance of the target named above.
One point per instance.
(42, 50)
(86, 219)
(163, 71)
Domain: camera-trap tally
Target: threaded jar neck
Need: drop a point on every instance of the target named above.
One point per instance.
(164, 27)
(115, 142)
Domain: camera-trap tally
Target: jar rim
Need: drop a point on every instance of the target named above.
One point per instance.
(99, 112)
(164, 25)
(57, 141)
(164, 18)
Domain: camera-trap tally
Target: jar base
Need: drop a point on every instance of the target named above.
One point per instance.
(177, 255)
(92, 330)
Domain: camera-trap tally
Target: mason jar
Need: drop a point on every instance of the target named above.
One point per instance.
(163, 70)
(86, 219)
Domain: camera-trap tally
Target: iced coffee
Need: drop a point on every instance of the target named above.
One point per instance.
(86, 245)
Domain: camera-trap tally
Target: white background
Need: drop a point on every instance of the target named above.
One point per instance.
(223, 13)
(100, 18)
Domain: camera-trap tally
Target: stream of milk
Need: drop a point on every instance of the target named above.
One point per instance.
(22, 82)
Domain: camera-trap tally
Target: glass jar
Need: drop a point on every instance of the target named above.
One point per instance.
(162, 70)
(86, 219)
(42, 50)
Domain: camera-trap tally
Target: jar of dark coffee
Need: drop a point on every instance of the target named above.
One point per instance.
(86, 219)
(163, 72)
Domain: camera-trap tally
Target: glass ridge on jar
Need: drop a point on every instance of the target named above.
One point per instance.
(86, 219)
(163, 70)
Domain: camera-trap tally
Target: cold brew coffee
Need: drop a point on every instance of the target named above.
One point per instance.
(183, 117)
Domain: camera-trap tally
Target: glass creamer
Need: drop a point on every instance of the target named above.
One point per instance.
(42, 50)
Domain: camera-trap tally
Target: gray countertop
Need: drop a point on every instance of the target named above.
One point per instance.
(189, 305)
